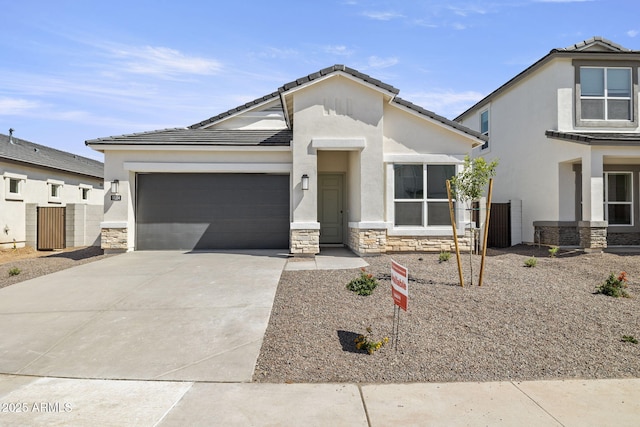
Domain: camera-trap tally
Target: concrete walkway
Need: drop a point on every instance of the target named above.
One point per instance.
(62, 402)
(171, 339)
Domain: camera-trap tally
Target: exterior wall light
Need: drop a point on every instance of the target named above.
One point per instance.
(115, 187)
(305, 182)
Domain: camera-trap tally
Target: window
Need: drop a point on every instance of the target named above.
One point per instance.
(618, 198)
(413, 206)
(605, 93)
(84, 193)
(484, 126)
(14, 186)
(55, 190)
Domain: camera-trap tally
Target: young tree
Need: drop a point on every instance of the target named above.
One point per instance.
(470, 184)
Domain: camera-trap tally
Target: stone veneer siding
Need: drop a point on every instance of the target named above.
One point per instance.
(426, 244)
(556, 233)
(305, 242)
(593, 235)
(623, 239)
(367, 241)
(114, 239)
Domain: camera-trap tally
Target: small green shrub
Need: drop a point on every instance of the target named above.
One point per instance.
(614, 286)
(629, 338)
(531, 262)
(363, 285)
(14, 271)
(444, 256)
(553, 251)
(367, 343)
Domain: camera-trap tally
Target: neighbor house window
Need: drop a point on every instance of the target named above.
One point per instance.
(420, 195)
(55, 190)
(14, 186)
(484, 126)
(84, 193)
(618, 198)
(605, 93)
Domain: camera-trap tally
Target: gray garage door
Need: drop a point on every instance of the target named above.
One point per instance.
(212, 211)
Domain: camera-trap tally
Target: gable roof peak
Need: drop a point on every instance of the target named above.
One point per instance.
(596, 43)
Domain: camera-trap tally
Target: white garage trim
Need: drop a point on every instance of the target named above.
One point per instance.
(173, 167)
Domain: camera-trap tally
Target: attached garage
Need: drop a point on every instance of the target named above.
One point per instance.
(200, 211)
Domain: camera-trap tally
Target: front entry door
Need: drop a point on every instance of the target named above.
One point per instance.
(330, 208)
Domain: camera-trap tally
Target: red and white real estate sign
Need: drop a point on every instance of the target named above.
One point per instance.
(399, 285)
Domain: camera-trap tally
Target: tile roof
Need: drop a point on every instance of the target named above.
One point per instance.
(196, 137)
(441, 119)
(294, 84)
(596, 138)
(599, 40)
(231, 112)
(23, 151)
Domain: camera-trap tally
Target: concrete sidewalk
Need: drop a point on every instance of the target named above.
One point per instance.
(58, 402)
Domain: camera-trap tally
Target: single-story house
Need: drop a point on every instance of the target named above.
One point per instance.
(332, 158)
(49, 199)
(567, 133)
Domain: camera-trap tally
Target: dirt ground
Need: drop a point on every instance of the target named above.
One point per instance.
(30, 263)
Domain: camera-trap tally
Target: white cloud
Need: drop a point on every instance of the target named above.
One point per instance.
(163, 61)
(274, 53)
(16, 106)
(467, 10)
(447, 103)
(633, 33)
(459, 26)
(382, 16)
(377, 62)
(338, 50)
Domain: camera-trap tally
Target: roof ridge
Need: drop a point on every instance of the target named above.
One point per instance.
(295, 83)
(595, 39)
(46, 148)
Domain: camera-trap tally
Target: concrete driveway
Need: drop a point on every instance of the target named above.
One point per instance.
(143, 315)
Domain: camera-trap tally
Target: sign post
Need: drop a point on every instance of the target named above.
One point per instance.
(400, 294)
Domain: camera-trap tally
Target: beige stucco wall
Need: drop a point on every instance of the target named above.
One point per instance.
(35, 189)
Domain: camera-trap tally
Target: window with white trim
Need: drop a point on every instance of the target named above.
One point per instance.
(484, 126)
(55, 190)
(606, 93)
(415, 207)
(14, 186)
(618, 198)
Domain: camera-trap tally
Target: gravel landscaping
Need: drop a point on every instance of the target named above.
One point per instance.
(542, 322)
(32, 263)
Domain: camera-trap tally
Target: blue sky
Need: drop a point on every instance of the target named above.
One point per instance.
(77, 70)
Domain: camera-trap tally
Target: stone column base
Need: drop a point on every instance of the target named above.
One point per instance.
(593, 235)
(114, 240)
(367, 242)
(305, 242)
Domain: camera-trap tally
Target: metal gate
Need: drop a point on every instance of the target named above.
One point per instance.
(51, 228)
(500, 226)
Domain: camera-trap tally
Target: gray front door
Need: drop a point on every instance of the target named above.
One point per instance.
(330, 208)
(212, 211)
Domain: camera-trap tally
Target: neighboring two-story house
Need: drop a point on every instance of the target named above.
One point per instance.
(335, 158)
(567, 134)
(49, 199)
